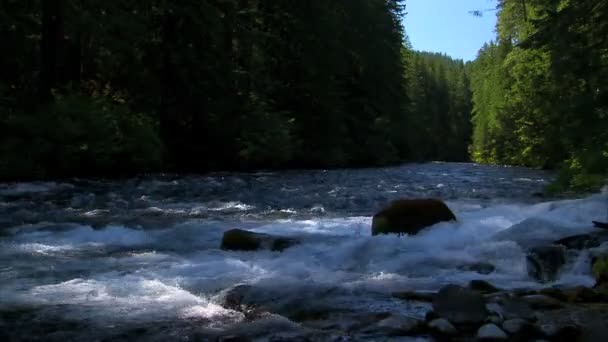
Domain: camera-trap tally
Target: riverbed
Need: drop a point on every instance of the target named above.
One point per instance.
(93, 259)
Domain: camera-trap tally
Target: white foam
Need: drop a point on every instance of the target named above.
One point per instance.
(174, 271)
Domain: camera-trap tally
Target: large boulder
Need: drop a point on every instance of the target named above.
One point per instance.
(409, 216)
(244, 240)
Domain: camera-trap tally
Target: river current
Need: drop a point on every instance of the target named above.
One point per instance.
(139, 258)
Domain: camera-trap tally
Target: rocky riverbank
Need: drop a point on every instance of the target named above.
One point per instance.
(479, 312)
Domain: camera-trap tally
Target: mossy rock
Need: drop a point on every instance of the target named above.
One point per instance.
(410, 216)
(243, 240)
(600, 271)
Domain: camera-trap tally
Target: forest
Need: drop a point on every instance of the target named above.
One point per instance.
(540, 90)
(90, 88)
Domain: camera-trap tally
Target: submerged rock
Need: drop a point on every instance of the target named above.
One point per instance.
(516, 326)
(544, 263)
(460, 305)
(243, 240)
(410, 216)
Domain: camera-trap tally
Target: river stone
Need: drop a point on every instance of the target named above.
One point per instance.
(443, 327)
(460, 305)
(494, 319)
(409, 216)
(542, 302)
(515, 326)
(491, 332)
(561, 332)
(544, 263)
(398, 325)
(243, 240)
(518, 308)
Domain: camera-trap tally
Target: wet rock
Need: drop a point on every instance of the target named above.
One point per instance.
(579, 294)
(517, 308)
(516, 326)
(460, 305)
(234, 297)
(243, 240)
(495, 319)
(491, 332)
(560, 332)
(480, 267)
(534, 232)
(483, 286)
(397, 325)
(583, 241)
(421, 296)
(544, 263)
(559, 294)
(410, 216)
(443, 326)
(542, 302)
(347, 322)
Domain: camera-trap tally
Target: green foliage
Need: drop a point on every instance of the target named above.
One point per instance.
(224, 84)
(439, 125)
(267, 140)
(78, 135)
(542, 102)
(600, 271)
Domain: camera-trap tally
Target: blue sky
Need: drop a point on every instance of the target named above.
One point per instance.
(447, 26)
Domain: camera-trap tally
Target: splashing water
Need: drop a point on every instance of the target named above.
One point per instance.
(150, 253)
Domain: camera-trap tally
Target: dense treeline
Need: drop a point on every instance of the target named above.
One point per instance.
(115, 87)
(540, 91)
(439, 120)
(91, 87)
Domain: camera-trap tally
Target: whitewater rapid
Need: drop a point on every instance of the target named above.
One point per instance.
(116, 274)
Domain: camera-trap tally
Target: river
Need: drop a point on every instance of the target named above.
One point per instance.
(139, 258)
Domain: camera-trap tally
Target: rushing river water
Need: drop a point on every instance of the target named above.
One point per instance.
(140, 258)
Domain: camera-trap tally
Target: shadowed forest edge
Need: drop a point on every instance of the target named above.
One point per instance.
(104, 89)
